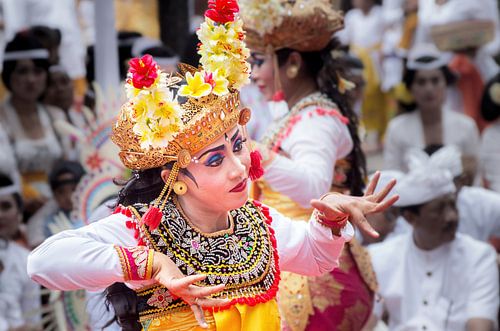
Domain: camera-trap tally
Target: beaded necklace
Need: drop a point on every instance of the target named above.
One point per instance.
(243, 257)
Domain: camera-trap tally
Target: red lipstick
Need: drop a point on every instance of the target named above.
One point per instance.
(240, 187)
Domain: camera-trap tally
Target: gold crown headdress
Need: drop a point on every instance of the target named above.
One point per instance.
(302, 25)
(157, 126)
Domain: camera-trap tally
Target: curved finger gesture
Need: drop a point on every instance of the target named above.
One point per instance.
(336, 206)
(166, 273)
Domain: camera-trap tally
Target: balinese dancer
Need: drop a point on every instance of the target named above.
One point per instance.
(185, 236)
(312, 147)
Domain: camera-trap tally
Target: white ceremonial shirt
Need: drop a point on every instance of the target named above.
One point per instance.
(363, 30)
(489, 156)
(20, 295)
(440, 289)
(86, 257)
(315, 143)
(406, 131)
(479, 212)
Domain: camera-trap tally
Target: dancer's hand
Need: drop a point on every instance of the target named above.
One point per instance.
(167, 274)
(335, 206)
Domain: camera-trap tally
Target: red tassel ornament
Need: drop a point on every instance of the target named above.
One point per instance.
(256, 170)
(279, 96)
(152, 217)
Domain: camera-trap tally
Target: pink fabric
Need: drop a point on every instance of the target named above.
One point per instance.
(356, 301)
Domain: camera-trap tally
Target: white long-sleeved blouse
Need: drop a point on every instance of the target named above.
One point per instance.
(315, 142)
(86, 257)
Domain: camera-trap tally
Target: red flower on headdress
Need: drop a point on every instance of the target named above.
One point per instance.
(144, 71)
(222, 11)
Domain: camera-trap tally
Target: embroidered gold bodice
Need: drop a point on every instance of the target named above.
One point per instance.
(243, 257)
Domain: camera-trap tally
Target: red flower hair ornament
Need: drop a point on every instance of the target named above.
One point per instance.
(144, 71)
(222, 11)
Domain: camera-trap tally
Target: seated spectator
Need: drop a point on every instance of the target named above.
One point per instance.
(50, 39)
(63, 180)
(11, 216)
(489, 155)
(434, 278)
(478, 208)
(27, 122)
(19, 295)
(428, 123)
(60, 93)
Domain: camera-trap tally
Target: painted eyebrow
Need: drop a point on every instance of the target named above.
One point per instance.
(221, 147)
(215, 149)
(235, 135)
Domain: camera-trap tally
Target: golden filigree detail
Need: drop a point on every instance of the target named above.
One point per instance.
(295, 301)
(184, 158)
(325, 291)
(352, 317)
(205, 121)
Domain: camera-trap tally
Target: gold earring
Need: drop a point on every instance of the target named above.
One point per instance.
(180, 188)
(292, 71)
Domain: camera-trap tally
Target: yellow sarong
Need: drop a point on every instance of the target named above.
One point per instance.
(262, 316)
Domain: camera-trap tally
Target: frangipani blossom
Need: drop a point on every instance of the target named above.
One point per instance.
(196, 86)
(219, 83)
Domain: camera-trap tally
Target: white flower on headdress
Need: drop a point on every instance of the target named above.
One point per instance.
(263, 15)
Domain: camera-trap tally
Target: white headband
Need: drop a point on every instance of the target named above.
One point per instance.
(8, 190)
(422, 51)
(439, 62)
(40, 53)
(448, 157)
(424, 184)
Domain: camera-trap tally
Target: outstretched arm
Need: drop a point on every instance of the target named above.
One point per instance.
(313, 248)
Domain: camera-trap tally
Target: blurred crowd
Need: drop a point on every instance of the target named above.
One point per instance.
(422, 96)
